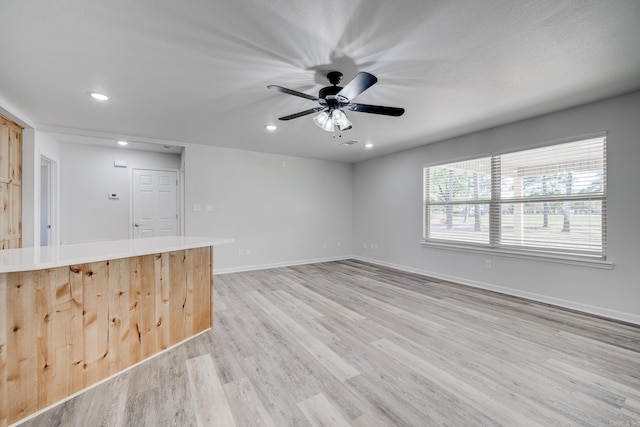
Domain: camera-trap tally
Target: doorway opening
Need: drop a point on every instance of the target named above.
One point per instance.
(47, 201)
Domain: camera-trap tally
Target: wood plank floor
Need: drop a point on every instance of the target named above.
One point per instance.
(352, 344)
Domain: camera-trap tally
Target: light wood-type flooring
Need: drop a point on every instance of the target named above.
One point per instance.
(352, 344)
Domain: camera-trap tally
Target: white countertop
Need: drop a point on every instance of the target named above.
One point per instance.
(39, 258)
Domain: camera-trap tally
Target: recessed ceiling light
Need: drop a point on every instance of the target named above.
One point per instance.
(271, 127)
(368, 145)
(99, 96)
(123, 143)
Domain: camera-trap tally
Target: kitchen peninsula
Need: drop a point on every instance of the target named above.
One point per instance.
(74, 315)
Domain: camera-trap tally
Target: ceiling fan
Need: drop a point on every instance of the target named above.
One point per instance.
(333, 99)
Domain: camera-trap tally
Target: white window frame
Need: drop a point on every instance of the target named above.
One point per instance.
(495, 246)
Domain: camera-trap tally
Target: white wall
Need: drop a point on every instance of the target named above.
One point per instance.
(284, 210)
(87, 176)
(388, 206)
(36, 144)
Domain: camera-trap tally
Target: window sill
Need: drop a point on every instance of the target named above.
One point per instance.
(558, 259)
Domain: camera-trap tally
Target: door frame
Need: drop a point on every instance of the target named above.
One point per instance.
(179, 199)
(53, 200)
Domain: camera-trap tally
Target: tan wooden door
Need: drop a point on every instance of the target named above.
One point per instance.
(10, 184)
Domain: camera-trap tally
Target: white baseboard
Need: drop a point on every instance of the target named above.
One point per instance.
(217, 271)
(572, 305)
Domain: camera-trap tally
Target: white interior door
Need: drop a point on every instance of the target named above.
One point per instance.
(46, 169)
(48, 203)
(155, 203)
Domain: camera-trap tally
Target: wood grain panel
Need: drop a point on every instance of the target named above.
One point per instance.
(95, 282)
(118, 357)
(5, 174)
(15, 154)
(163, 294)
(147, 312)
(5, 214)
(178, 297)
(189, 293)
(76, 326)
(15, 215)
(53, 315)
(66, 328)
(202, 297)
(22, 367)
(133, 325)
(3, 350)
(10, 184)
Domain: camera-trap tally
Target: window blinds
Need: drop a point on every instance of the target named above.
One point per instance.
(553, 198)
(550, 199)
(458, 201)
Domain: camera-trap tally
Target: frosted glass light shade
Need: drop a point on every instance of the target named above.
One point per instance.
(323, 121)
(339, 118)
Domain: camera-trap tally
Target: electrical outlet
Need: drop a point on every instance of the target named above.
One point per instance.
(197, 207)
(487, 264)
(247, 252)
(364, 245)
(208, 208)
(241, 252)
(339, 244)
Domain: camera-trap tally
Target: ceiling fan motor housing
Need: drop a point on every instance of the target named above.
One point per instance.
(334, 78)
(328, 91)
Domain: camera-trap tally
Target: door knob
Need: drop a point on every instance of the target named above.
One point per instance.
(137, 225)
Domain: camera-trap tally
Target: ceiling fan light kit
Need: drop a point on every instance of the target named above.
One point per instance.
(339, 118)
(333, 120)
(333, 99)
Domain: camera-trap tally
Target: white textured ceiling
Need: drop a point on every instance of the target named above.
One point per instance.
(196, 71)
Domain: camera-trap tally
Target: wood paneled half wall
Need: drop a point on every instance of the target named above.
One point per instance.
(66, 328)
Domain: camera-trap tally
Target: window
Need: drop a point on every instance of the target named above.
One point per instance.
(549, 200)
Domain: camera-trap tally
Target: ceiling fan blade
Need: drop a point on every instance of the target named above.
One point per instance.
(302, 113)
(376, 109)
(359, 84)
(293, 92)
